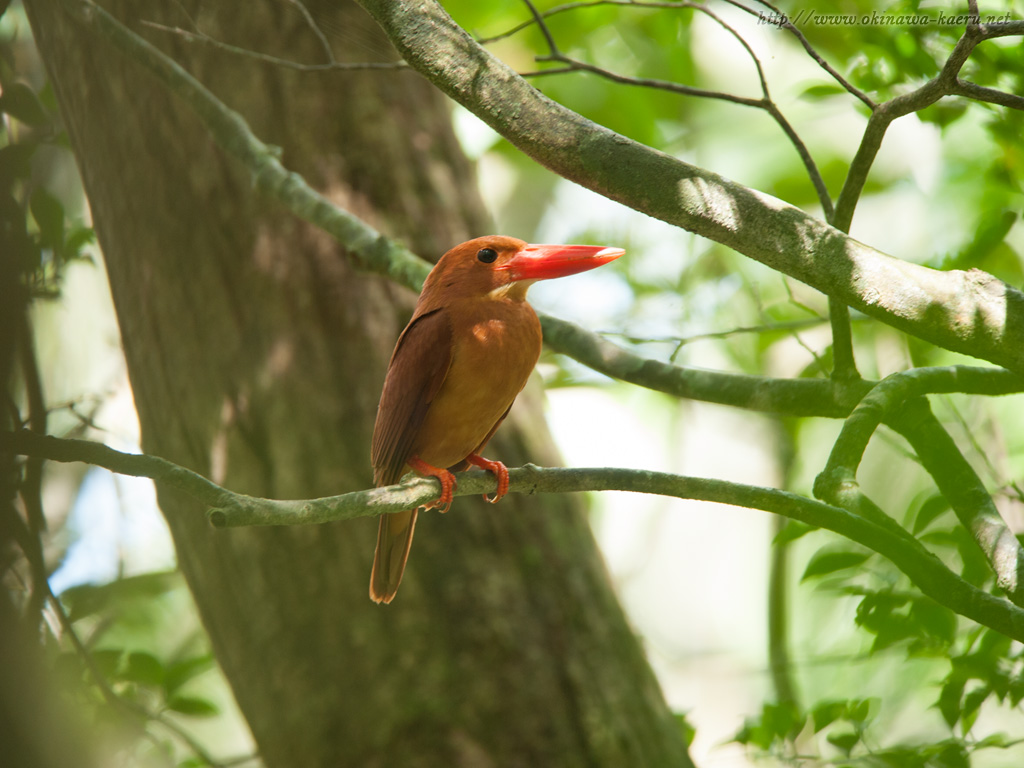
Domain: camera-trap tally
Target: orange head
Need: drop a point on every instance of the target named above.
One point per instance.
(504, 267)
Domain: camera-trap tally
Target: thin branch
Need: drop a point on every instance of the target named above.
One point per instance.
(266, 58)
(315, 28)
(965, 492)
(989, 95)
(764, 103)
(892, 401)
(792, 397)
(549, 39)
(575, 65)
(844, 363)
(875, 407)
(31, 486)
(589, 4)
(785, 326)
(789, 27)
(230, 509)
(780, 662)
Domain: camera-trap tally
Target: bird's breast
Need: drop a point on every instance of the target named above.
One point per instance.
(495, 346)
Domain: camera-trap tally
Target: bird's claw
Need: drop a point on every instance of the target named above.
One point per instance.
(499, 470)
(447, 480)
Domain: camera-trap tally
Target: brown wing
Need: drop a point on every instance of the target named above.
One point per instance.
(418, 367)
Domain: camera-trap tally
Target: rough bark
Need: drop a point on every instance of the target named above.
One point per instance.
(256, 356)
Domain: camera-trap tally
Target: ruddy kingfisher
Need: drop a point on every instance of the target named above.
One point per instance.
(465, 355)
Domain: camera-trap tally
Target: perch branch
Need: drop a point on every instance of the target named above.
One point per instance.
(229, 509)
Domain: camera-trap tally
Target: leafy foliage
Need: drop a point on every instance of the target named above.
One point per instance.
(700, 304)
(737, 316)
(37, 232)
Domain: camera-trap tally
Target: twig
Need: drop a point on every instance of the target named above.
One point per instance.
(844, 363)
(552, 48)
(780, 662)
(788, 26)
(675, 5)
(330, 66)
(311, 23)
(791, 397)
(575, 65)
(780, 327)
(31, 486)
(765, 102)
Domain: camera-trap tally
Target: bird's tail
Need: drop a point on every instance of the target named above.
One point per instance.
(394, 537)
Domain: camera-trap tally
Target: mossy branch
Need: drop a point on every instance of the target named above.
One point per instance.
(898, 400)
(229, 509)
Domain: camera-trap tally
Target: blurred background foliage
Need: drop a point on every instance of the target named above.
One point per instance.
(778, 644)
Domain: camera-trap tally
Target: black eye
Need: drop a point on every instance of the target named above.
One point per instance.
(487, 255)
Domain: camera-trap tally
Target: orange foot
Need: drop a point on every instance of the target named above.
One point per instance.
(498, 469)
(446, 478)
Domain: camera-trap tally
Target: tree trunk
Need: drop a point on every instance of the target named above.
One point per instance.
(256, 355)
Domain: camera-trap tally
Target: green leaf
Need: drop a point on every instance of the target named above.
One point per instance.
(144, 668)
(180, 672)
(88, 599)
(20, 102)
(777, 722)
(686, 728)
(76, 240)
(929, 511)
(822, 91)
(108, 661)
(1016, 689)
(48, 212)
(830, 561)
(972, 706)
(15, 163)
(791, 531)
(934, 619)
(844, 741)
(950, 755)
(860, 712)
(900, 757)
(826, 713)
(949, 699)
(193, 706)
(997, 740)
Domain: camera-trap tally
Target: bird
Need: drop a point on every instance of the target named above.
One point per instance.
(456, 369)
